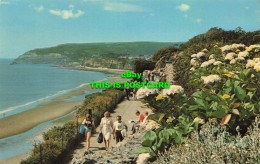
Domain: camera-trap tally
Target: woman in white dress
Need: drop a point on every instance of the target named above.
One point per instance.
(106, 126)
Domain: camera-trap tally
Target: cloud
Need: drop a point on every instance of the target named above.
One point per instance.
(39, 9)
(4, 2)
(66, 14)
(183, 7)
(246, 7)
(152, 14)
(122, 7)
(199, 20)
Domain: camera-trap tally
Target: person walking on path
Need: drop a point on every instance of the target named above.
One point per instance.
(89, 127)
(117, 129)
(106, 126)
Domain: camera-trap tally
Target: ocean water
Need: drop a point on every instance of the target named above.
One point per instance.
(24, 86)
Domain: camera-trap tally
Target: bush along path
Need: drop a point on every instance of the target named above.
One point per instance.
(60, 141)
(222, 88)
(118, 153)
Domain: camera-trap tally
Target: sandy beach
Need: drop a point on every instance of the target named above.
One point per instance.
(24, 121)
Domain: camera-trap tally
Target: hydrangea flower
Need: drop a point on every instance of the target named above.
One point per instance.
(233, 61)
(192, 69)
(211, 56)
(194, 55)
(257, 67)
(143, 92)
(173, 89)
(193, 61)
(217, 63)
(240, 58)
(211, 79)
(200, 54)
(243, 54)
(250, 63)
(230, 56)
(152, 125)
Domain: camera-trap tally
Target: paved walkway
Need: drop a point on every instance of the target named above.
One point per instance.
(127, 110)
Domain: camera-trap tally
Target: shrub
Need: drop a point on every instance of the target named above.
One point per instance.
(213, 144)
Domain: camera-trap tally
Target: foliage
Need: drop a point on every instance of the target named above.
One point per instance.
(164, 53)
(213, 144)
(141, 65)
(221, 84)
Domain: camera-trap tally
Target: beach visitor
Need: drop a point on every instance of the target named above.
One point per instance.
(140, 120)
(106, 126)
(119, 126)
(89, 127)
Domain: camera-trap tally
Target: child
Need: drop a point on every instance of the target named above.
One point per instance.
(117, 129)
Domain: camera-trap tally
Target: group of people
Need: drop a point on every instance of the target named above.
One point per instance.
(108, 127)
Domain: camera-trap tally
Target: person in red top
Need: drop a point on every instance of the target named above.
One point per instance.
(140, 120)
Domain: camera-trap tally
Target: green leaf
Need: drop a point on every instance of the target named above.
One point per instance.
(197, 94)
(236, 83)
(145, 150)
(165, 135)
(193, 107)
(199, 102)
(228, 83)
(149, 139)
(240, 93)
(178, 138)
(220, 113)
(161, 116)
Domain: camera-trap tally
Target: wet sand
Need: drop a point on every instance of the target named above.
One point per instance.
(26, 120)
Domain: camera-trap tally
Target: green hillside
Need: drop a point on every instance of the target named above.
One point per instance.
(86, 53)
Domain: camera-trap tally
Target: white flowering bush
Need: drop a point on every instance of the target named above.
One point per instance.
(144, 92)
(225, 81)
(173, 89)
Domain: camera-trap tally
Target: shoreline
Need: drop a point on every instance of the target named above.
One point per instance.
(35, 116)
(44, 112)
(99, 69)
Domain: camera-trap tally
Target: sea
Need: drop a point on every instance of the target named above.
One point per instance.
(24, 86)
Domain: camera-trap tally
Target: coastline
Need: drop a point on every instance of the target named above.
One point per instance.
(44, 112)
(32, 117)
(99, 69)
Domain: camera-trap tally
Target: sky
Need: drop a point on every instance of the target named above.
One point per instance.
(30, 24)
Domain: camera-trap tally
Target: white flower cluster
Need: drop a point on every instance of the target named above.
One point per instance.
(217, 63)
(198, 55)
(243, 54)
(253, 47)
(193, 61)
(173, 89)
(152, 125)
(232, 47)
(254, 63)
(210, 79)
(208, 63)
(143, 92)
(230, 56)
